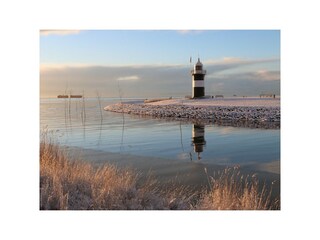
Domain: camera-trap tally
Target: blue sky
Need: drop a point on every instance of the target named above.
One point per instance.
(156, 62)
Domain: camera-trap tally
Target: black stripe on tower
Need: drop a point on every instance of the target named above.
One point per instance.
(198, 91)
(198, 76)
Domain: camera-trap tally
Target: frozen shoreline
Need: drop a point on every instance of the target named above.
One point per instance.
(247, 112)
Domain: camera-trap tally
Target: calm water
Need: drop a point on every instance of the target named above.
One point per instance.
(166, 147)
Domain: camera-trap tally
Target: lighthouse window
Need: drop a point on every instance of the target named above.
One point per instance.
(198, 68)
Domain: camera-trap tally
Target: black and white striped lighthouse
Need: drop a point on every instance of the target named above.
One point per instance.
(198, 80)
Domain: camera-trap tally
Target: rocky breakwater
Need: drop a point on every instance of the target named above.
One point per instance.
(247, 116)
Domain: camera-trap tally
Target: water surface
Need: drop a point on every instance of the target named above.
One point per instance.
(169, 148)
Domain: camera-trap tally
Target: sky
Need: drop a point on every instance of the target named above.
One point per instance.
(156, 63)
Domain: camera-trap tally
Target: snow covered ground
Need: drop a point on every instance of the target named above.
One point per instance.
(251, 112)
(222, 102)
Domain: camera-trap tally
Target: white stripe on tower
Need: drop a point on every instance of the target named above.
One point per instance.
(197, 133)
(198, 83)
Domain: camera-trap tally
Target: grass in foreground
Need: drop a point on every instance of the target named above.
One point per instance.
(230, 190)
(72, 184)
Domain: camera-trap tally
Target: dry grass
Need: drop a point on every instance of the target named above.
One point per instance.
(67, 184)
(230, 190)
(72, 184)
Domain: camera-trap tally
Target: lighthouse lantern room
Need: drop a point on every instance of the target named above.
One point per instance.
(198, 80)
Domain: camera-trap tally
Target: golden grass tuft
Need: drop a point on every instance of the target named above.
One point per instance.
(230, 190)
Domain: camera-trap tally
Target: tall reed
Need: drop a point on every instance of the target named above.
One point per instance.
(100, 107)
(123, 119)
(83, 109)
(69, 106)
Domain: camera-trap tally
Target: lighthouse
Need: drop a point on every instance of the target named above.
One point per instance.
(198, 140)
(198, 80)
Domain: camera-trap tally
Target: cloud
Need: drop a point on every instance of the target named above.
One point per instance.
(262, 75)
(232, 65)
(268, 75)
(51, 66)
(58, 32)
(128, 78)
(245, 83)
(227, 61)
(162, 80)
(143, 81)
(190, 31)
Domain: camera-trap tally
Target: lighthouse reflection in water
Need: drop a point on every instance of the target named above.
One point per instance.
(198, 141)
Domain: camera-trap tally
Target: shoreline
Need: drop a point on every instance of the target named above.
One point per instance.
(247, 112)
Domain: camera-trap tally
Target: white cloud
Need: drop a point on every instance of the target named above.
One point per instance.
(159, 80)
(268, 75)
(58, 32)
(261, 75)
(190, 31)
(240, 61)
(232, 60)
(128, 78)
